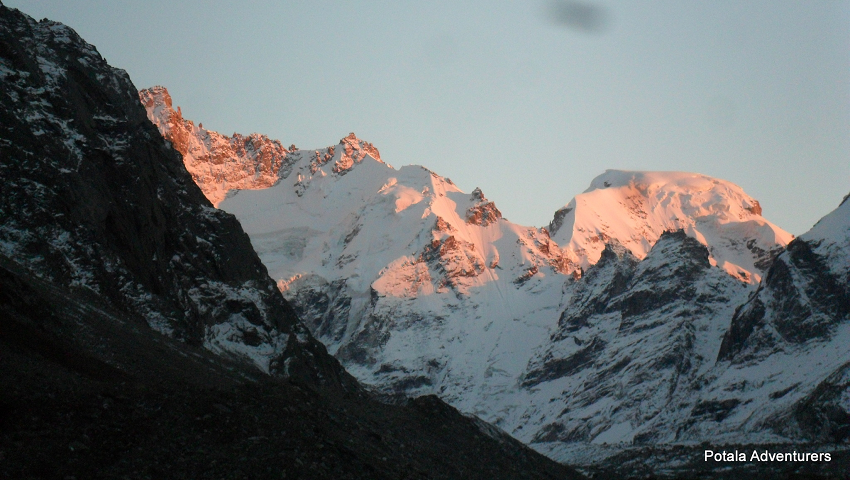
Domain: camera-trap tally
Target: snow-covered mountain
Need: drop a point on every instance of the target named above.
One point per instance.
(668, 350)
(631, 345)
(614, 325)
(396, 270)
(635, 208)
(788, 342)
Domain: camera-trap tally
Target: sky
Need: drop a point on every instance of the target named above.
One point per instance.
(528, 100)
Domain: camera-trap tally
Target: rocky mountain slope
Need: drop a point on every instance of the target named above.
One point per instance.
(631, 345)
(141, 336)
(93, 392)
(671, 350)
(791, 337)
(622, 325)
(93, 198)
(781, 374)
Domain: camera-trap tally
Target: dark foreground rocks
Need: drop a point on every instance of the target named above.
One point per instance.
(90, 392)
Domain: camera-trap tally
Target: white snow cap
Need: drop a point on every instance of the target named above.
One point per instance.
(635, 208)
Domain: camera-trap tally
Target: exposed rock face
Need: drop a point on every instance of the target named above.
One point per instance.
(601, 283)
(217, 163)
(798, 301)
(755, 208)
(92, 198)
(799, 321)
(354, 151)
(483, 212)
(630, 345)
(804, 297)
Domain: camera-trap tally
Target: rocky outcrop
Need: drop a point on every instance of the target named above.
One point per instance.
(558, 219)
(220, 164)
(217, 163)
(353, 151)
(602, 283)
(451, 258)
(483, 212)
(94, 200)
(754, 208)
(799, 300)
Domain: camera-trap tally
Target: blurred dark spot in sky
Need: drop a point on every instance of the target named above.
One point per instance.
(584, 17)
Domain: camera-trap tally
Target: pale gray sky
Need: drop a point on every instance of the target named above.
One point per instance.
(527, 100)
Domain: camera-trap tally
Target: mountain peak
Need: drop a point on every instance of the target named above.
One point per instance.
(155, 95)
(636, 207)
(654, 182)
(650, 182)
(354, 150)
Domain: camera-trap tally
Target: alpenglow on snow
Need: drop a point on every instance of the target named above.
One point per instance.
(584, 332)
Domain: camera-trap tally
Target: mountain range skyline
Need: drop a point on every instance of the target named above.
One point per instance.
(519, 98)
(639, 316)
(181, 303)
